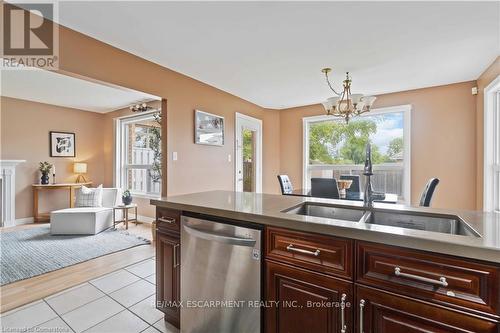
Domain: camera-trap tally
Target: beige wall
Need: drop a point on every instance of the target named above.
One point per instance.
(482, 82)
(25, 135)
(442, 141)
(25, 130)
(443, 127)
(198, 168)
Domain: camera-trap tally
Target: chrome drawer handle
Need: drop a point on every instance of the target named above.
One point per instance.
(294, 249)
(361, 312)
(168, 220)
(343, 326)
(442, 280)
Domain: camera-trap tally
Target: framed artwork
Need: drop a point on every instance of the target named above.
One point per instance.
(62, 144)
(208, 129)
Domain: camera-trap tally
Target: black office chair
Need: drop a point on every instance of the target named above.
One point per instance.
(324, 188)
(285, 184)
(355, 186)
(425, 199)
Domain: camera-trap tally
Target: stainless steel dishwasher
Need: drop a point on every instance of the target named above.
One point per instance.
(220, 277)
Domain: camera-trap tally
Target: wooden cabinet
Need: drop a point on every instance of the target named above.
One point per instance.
(384, 312)
(456, 282)
(396, 289)
(304, 301)
(168, 271)
(325, 254)
(168, 219)
(316, 283)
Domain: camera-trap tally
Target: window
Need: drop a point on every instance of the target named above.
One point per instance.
(333, 148)
(138, 148)
(492, 146)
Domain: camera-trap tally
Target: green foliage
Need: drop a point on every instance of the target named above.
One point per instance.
(155, 145)
(45, 167)
(396, 146)
(248, 156)
(247, 145)
(335, 142)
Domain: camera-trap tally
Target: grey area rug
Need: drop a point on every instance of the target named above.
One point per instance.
(31, 252)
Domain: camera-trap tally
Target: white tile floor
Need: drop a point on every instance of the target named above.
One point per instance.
(120, 302)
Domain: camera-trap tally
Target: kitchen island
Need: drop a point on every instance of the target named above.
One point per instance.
(381, 277)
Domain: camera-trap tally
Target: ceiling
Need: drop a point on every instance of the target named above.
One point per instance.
(62, 90)
(271, 53)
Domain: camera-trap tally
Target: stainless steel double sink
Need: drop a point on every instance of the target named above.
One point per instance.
(446, 224)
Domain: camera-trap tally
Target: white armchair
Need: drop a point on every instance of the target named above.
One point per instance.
(86, 220)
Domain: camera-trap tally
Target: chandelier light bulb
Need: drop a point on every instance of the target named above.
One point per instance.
(345, 104)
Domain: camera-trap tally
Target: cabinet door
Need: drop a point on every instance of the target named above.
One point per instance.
(168, 276)
(383, 312)
(301, 301)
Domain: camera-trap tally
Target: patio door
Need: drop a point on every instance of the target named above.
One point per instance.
(248, 155)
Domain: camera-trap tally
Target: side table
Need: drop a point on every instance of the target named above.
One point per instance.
(45, 217)
(125, 211)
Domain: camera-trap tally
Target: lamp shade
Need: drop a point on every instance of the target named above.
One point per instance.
(80, 168)
(356, 98)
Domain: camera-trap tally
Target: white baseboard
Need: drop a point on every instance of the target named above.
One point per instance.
(26, 220)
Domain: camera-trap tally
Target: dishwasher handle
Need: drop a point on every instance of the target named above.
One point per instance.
(219, 238)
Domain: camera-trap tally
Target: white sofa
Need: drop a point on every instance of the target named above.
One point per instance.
(86, 220)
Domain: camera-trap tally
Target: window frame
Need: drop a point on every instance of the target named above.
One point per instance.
(120, 166)
(405, 109)
(491, 188)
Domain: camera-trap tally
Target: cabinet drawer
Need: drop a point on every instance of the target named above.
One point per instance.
(169, 219)
(437, 278)
(382, 312)
(329, 255)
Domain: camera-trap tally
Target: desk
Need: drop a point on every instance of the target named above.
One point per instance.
(353, 196)
(45, 217)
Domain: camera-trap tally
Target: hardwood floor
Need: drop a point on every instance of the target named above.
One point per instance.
(26, 291)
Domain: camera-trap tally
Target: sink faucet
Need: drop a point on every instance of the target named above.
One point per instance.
(369, 195)
(368, 172)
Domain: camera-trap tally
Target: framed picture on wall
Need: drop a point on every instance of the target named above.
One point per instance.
(209, 129)
(62, 144)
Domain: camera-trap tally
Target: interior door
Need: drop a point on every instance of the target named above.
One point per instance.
(248, 154)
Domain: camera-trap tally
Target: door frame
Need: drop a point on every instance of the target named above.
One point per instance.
(239, 119)
(490, 111)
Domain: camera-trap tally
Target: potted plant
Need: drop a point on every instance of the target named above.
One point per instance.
(45, 168)
(126, 197)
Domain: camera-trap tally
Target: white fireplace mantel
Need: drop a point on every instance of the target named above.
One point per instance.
(8, 191)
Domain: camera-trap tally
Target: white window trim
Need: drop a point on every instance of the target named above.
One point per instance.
(119, 150)
(491, 121)
(406, 109)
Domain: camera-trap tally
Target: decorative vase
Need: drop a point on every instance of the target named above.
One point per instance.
(45, 178)
(127, 200)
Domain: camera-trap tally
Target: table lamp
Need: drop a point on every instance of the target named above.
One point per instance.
(80, 169)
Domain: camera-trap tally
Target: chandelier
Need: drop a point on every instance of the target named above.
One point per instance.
(345, 104)
(140, 107)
